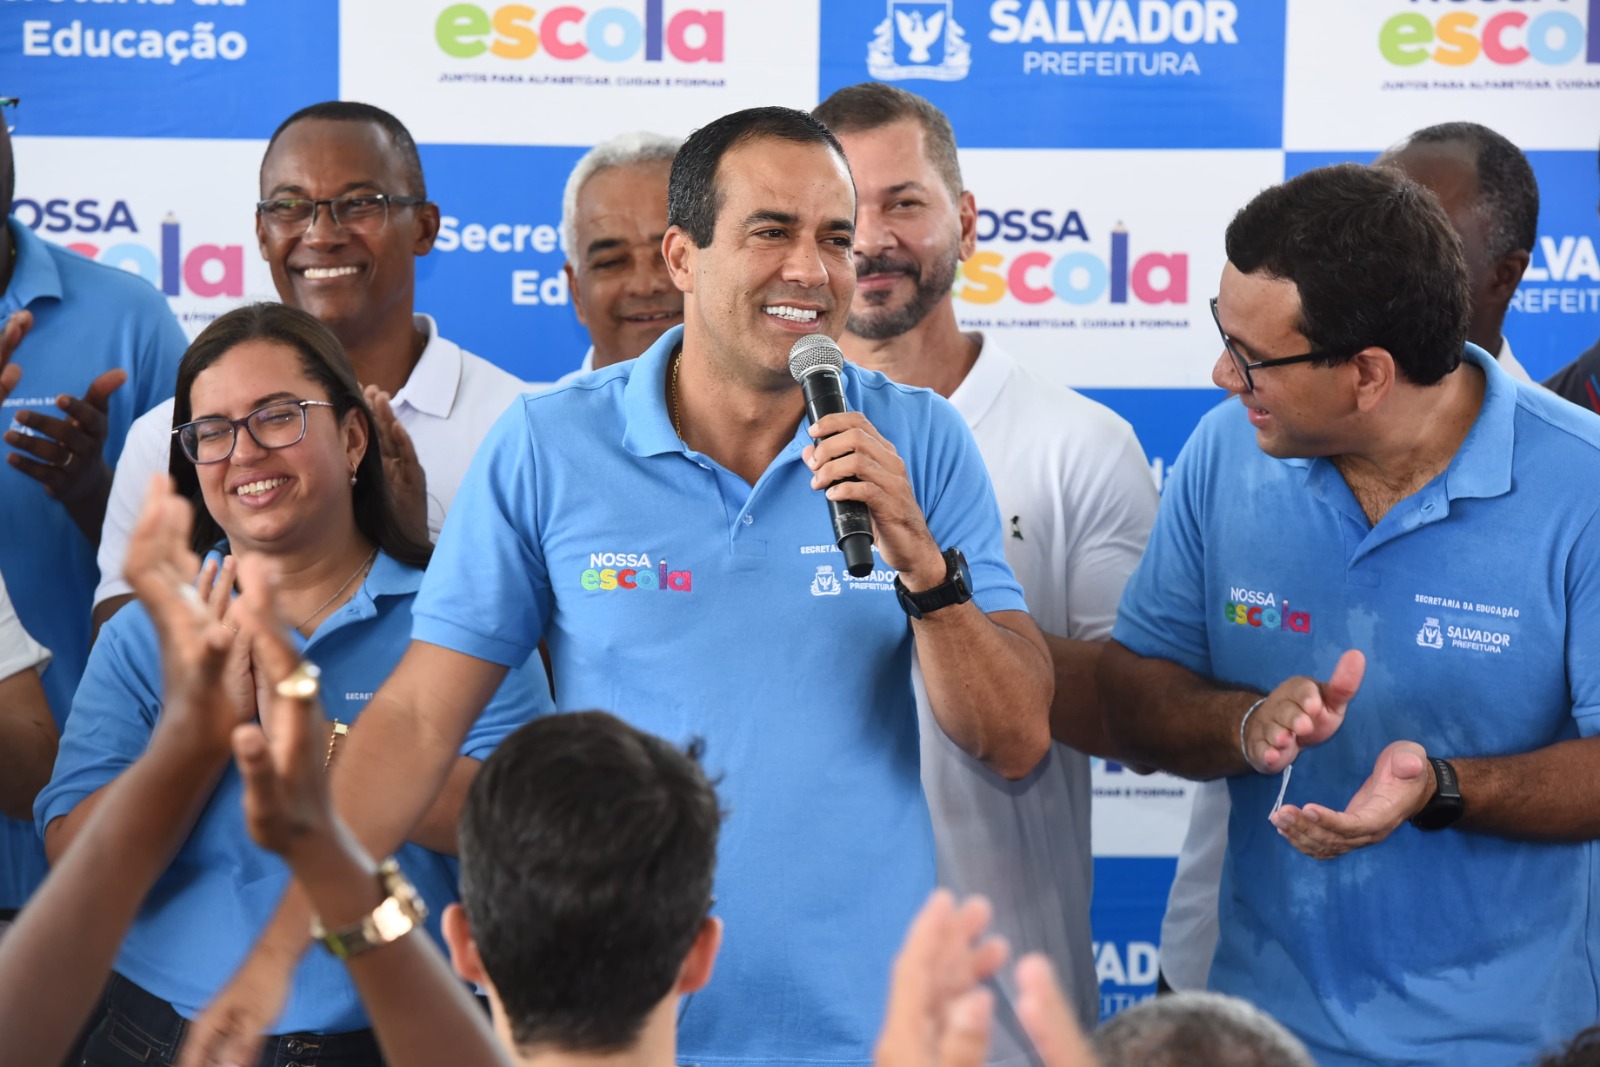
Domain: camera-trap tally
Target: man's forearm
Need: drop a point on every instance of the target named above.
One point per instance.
(420, 1012)
(989, 685)
(1160, 714)
(1076, 718)
(28, 739)
(1549, 794)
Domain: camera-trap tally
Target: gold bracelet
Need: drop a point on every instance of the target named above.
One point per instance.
(339, 730)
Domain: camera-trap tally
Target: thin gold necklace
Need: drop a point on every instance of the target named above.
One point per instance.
(672, 389)
(364, 565)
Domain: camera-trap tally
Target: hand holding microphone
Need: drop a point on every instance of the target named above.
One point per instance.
(868, 488)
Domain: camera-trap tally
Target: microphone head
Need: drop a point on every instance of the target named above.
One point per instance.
(813, 352)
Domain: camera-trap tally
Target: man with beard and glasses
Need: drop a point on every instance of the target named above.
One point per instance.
(1076, 498)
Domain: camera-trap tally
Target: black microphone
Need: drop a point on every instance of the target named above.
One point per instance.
(815, 361)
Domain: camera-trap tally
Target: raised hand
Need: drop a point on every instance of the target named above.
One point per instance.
(408, 484)
(286, 793)
(1042, 1009)
(64, 454)
(1400, 785)
(939, 1014)
(1301, 713)
(196, 709)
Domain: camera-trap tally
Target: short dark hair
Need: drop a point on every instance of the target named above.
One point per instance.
(324, 361)
(1508, 193)
(588, 849)
(693, 199)
(1374, 258)
(873, 105)
(353, 111)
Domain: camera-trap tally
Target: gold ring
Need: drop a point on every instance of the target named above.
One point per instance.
(303, 683)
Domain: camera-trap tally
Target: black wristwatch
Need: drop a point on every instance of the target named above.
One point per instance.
(1445, 806)
(957, 588)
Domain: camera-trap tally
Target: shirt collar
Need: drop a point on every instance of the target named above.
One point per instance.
(436, 379)
(647, 423)
(588, 361)
(984, 382)
(1482, 465)
(35, 276)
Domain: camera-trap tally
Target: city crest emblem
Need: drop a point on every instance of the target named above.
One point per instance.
(1430, 636)
(826, 583)
(919, 39)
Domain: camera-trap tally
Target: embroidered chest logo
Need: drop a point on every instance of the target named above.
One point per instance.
(1264, 611)
(1430, 636)
(826, 583)
(1016, 527)
(609, 571)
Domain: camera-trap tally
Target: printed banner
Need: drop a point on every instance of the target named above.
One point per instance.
(1097, 267)
(1064, 74)
(1367, 72)
(576, 73)
(167, 68)
(180, 214)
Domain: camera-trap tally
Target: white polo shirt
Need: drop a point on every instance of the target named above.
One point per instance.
(447, 406)
(1076, 505)
(18, 651)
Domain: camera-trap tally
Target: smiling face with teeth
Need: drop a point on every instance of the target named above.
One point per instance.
(620, 287)
(360, 285)
(283, 499)
(779, 263)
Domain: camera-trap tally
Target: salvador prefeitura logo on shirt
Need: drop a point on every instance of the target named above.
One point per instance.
(1264, 610)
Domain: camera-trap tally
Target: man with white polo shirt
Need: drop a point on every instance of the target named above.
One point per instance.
(344, 215)
(662, 525)
(1075, 494)
(1423, 895)
(613, 217)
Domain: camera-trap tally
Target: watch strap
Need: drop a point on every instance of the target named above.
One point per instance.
(402, 911)
(953, 590)
(1446, 805)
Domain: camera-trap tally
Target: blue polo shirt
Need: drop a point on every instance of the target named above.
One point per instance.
(87, 319)
(204, 914)
(689, 602)
(1477, 603)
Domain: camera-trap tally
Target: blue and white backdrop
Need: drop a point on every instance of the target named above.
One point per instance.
(1107, 142)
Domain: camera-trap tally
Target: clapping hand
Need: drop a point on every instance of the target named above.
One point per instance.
(401, 467)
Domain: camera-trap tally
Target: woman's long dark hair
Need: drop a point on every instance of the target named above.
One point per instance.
(324, 361)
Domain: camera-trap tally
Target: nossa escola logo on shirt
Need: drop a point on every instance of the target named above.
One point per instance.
(608, 571)
(1264, 611)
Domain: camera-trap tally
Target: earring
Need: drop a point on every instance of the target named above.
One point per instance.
(352, 479)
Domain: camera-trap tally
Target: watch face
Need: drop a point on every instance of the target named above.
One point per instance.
(963, 575)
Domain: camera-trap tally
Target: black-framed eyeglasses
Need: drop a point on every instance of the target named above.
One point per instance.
(8, 106)
(1245, 366)
(291, 216)
(276, 425)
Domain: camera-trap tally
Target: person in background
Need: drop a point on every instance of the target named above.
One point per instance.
(1074, 490)
(613, 217)
(343, 218)
(84, 349)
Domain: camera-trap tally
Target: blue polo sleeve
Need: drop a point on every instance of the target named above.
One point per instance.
(1162, 612)
(521, 698)
(113, 715)
(959, 505)
(487, 589)
(1583, 628)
